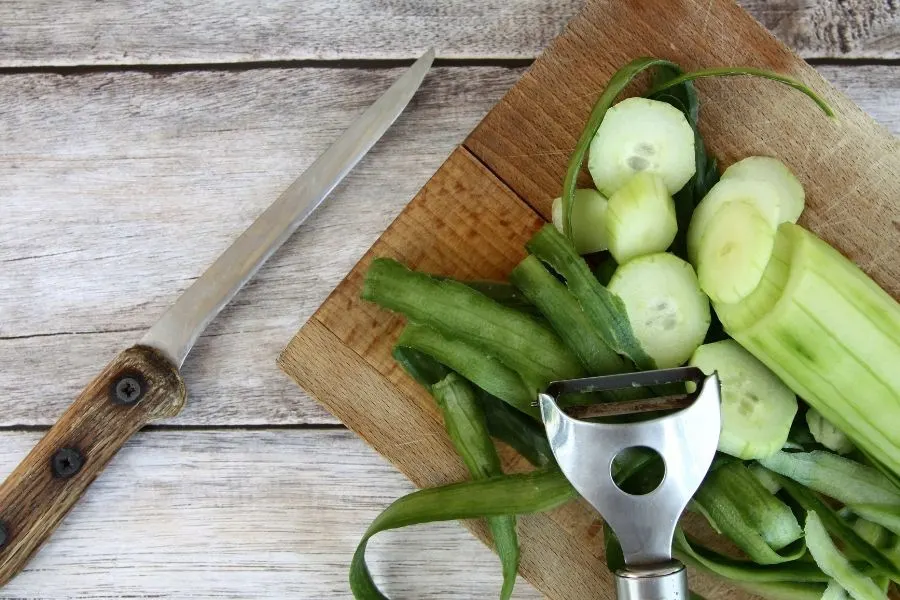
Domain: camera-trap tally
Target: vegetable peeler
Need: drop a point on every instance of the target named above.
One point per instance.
(645, 524)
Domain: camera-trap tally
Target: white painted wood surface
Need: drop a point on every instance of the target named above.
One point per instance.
(78, 32)
(255, 514)
(119, 187)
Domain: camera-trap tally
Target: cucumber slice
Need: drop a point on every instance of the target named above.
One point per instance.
(757, 407)
(791, 196)
(824, 432)
(641, 218)
(835, 565)
(588, 220)
(762, 194)
(639, 134)
(667, 310)
(734, 252)
(758, 303)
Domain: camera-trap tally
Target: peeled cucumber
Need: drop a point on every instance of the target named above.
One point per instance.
(588, 220)
(762, 194)
(640, 218)
(757, 407)
(734, 251)
(667, 310)
(833, 336)
(639, 134)
(791, 196)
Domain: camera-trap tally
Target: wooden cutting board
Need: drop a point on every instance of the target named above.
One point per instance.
(472, 218)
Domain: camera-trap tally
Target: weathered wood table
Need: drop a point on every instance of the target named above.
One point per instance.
(137, 139)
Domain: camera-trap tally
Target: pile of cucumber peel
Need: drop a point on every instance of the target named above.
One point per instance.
(665, 262)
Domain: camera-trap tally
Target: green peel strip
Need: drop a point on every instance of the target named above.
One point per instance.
(498, 496)
(465, 423)
(603, 309)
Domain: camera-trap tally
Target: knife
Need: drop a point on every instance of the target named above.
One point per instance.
(143, 383)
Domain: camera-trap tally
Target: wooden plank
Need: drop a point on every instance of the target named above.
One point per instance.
(180, 165)
(216, 31)
(119, 189)
(849, 167)
(281, 510)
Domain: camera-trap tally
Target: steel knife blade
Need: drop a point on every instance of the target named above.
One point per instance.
(143, 382)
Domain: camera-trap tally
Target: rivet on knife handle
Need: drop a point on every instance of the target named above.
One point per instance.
(138, 386)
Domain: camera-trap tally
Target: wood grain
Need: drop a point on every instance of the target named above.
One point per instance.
(465, 223)
(472, 218)
(135, 388)
(179, 165)
(122, 32)
(849, 167)
(245, 515)
(124, 187)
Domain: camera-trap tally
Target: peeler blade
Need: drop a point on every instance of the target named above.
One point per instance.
(686, 441)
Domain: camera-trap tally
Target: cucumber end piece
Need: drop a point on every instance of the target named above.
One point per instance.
(588, 220)
(640, 218)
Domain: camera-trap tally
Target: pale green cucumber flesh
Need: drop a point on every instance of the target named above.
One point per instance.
(834, 337)
(588, 220)
(757, 407)
(761, 194)
(734, 252)
(824, 432)
(641, 218)
(754, 306)
(791, 196)
(668, 312)
(639, 134)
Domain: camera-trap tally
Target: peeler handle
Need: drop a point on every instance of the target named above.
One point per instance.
(665, 581)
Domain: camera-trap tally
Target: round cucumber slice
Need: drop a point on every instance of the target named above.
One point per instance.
(588, 220)
(757, 407)
(639, 134)
(760, 193)
(791, 196)
(667, 310)
(734, 252)
(641, 218)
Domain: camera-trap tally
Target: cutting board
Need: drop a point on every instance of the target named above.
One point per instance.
(472, 219)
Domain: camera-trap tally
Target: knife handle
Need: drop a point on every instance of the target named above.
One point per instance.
(138, 386)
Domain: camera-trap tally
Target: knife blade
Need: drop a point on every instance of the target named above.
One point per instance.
(143, 382)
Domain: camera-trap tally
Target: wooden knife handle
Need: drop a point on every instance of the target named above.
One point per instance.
(138, 386)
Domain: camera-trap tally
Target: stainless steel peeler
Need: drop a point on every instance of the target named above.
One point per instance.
(645, 525)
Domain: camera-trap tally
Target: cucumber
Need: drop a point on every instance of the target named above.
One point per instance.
(734, 252)
(791, 196)
(757, 407)
(833, 336)
(667, 310)
(639, 134)
(761, 300)
(588, 220)
(835, 565)
(640, 218)
(761, 194)
(824, 432)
